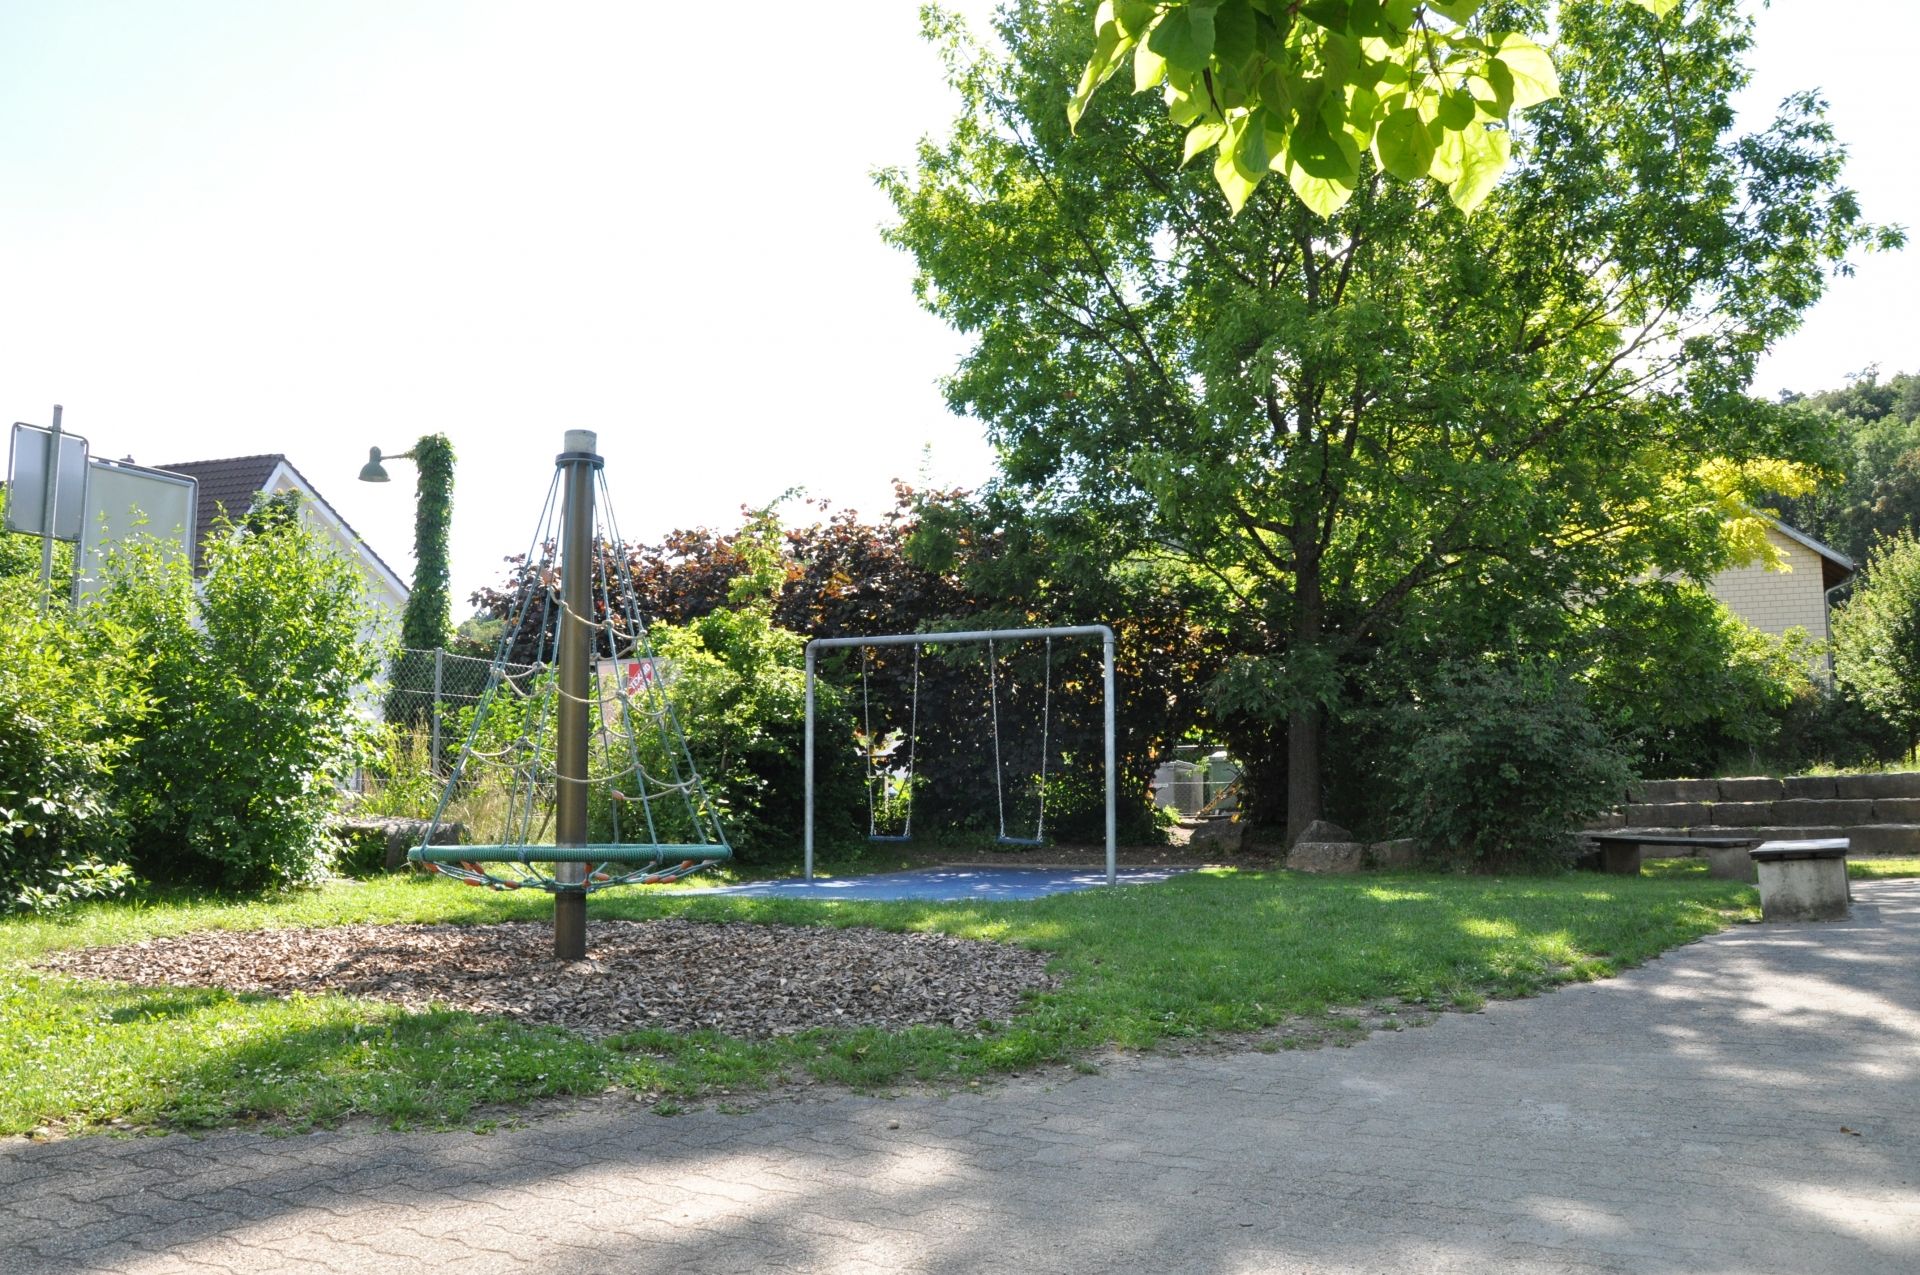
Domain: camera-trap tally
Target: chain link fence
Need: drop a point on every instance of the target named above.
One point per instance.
(432, 693)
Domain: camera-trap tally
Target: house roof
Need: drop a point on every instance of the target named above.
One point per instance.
(228, 486)
(231, 484)
(1836, 568)
(1825, 551)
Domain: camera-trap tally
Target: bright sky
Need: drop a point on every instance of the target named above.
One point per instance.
(229, 227)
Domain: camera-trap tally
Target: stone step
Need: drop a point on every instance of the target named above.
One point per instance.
(1889, 786)
(1787, 812)
(1865, 839)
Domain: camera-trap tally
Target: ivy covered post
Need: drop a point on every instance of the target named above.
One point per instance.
(428, 622)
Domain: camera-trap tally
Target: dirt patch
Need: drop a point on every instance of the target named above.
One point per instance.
(741, 979)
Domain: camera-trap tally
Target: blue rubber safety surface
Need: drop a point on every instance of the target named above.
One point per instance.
(994, 885)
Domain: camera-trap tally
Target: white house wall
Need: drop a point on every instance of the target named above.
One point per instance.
(1775, 600)
(383, 590)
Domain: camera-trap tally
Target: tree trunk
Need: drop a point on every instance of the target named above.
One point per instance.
(1303, 770)
(1303, 722)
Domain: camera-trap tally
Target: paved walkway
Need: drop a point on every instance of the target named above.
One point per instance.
(1747, 1104)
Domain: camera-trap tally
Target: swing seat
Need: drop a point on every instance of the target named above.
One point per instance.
(1021, 841)
(625, 853)
(889, 836)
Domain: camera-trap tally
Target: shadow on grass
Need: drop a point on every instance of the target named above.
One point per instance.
(1210, 952)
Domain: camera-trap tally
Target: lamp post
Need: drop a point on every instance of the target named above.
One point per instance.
(428, 617)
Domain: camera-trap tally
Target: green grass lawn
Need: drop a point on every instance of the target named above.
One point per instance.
(1212, 952)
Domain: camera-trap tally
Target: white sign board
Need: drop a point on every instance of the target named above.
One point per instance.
(27, 483)
(124, 500)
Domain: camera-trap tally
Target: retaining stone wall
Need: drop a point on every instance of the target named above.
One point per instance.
(1894, 785)
(1880, 814)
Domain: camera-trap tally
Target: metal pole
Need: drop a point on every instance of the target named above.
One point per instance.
(51, 504)
(1106, 648)
(809, 751)
(572, 724)
(439, 660)
(971, 635)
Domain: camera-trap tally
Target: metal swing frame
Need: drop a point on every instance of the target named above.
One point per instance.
(917, 640)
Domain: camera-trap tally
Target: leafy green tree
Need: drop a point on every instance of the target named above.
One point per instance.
(1876, 635)
(253, 677)
(1308, 87)
(1687, 682)
(20, 557)
(1875, 441)
(1338, 418)
(71, 705)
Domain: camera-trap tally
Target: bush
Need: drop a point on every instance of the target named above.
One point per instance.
(69, 708)
(1689, 684)
(397, 768)
(1827, 726)
(253, 678)
(360, 850)
(1876, 635)
(738, 686)
(1503, 764)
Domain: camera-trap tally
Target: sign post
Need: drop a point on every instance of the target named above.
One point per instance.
(46, 487)
(51, 502)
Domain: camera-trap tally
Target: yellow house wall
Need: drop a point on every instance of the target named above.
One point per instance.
(1774, 600)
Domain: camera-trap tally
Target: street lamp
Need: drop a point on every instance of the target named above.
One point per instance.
(373, 471)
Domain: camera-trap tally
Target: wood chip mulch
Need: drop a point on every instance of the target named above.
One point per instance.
(741, 979)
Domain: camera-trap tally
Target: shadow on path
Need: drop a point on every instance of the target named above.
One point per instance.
(1746, 1103)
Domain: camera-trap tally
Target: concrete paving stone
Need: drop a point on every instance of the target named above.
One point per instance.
(118, 1254)
(346, 1259)
(482, 1264)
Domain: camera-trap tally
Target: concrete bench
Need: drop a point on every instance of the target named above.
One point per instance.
(1620, 851)
(1803, 880)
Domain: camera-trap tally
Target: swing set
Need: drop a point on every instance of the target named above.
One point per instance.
(881, 781)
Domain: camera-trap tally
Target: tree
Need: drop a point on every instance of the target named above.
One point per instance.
(1876, 635)
(1875, 440)
(1338, 419)
(252, 678)
(1686, 681)
(832, 577)
(1306, 87)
